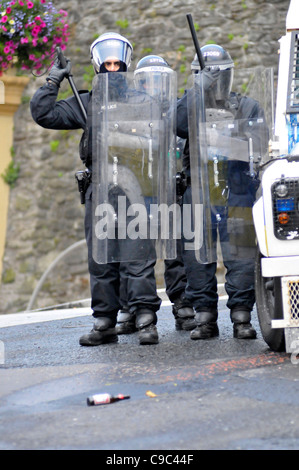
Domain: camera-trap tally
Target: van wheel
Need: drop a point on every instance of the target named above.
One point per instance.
(269, 306)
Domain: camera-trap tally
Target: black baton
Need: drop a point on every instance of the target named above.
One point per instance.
(71, 82)
(195, 41)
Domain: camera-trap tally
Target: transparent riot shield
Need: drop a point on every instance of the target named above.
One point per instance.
(135, 216)
(228, 142)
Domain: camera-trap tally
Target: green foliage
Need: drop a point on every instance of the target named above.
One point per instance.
(54, 144)
(244, 88)
(88, 75)
(62, 95)
(64, 133)
(183, 68)
(12, 172)
(123, 24)
(9, 276)
(25, 99)
(146, 51)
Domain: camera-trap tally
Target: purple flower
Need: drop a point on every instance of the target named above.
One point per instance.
(34, 35)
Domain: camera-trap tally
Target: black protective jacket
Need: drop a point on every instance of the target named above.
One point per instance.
(52, 114)
(66, 114)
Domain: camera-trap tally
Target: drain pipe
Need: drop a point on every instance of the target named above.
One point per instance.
(50, 268)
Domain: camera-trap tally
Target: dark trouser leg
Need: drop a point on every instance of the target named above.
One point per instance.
(142, 299)
(239, 283)
(104, 286)
(125, 320)
(238, 258)
(175, 282)
(141, 285)
(175, 275)
(104, 278)
(240, 289)
(138, 285)
(201, 288)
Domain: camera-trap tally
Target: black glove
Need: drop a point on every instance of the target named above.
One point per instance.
(57, 73)
(210, 77)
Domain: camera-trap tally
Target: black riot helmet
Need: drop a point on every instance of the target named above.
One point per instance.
(110, 45)
(216, 57)
(152, 74)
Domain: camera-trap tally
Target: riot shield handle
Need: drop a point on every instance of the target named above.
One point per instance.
(63, 62)
(195, 41)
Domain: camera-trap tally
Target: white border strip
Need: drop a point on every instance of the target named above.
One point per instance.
(40, 316)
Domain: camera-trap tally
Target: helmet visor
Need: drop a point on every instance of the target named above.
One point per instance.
(111, 48)
(154, 81)
(223, 85)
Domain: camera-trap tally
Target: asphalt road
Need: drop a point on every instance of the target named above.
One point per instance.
(218, 394)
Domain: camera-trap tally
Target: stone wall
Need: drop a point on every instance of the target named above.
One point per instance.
(45, 214)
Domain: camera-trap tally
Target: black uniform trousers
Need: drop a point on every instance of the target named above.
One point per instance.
(175, 275)
(105, 279)
(201, 287)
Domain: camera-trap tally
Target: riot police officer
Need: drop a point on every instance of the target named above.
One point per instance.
(174, 272)
(202, 282)
(110, 52)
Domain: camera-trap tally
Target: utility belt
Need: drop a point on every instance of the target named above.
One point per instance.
(83, 178)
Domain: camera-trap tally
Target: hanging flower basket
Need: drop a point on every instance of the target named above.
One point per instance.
(30, 30)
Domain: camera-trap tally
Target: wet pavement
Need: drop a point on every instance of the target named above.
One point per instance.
(186, 395)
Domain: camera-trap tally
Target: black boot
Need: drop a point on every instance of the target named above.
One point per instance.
(183, 313)
(103, 331)
(206, 325)
(242, 327)
(146, 324)
(125, 322)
